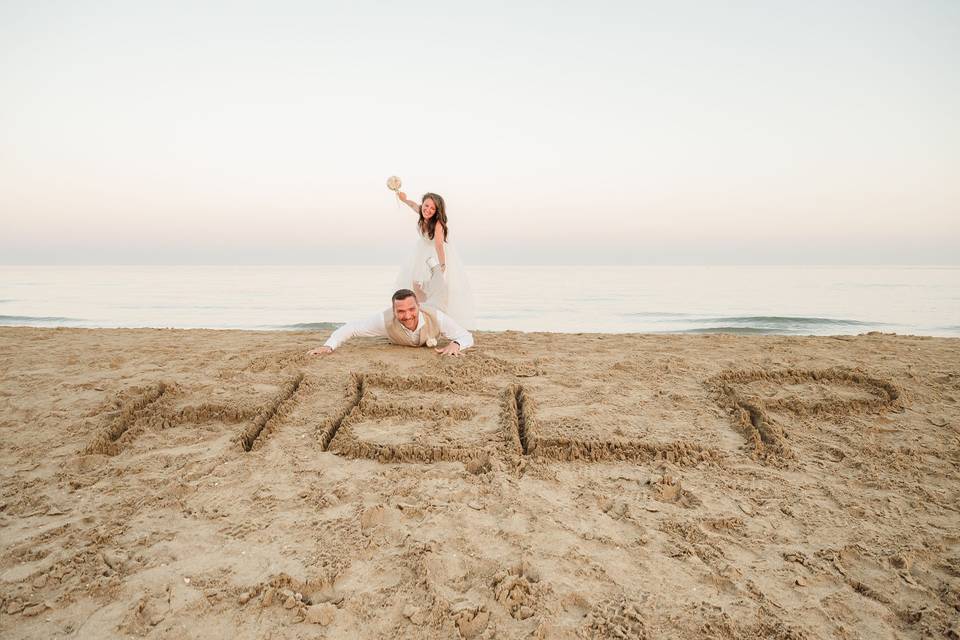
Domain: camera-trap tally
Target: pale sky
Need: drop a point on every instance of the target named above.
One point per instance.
(558, 132)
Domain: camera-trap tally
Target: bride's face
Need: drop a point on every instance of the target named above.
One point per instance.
(428, 208)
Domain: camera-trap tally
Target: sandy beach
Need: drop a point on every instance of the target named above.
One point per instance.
(222, 484)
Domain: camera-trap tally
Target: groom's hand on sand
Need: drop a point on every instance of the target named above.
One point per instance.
(320, 351)
(452, 349)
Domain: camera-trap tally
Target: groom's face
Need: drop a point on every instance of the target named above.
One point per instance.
(406, 311)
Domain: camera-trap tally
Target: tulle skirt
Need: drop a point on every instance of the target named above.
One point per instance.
(457, 298)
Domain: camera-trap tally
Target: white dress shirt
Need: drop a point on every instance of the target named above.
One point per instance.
(374, 327)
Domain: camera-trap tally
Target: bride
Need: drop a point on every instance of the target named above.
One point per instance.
(434, 258)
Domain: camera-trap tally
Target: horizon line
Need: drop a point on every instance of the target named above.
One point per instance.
(485, 264)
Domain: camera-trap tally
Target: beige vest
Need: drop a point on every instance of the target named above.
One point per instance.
(398, 334)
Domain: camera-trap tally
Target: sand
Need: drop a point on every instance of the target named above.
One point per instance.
(222, 484)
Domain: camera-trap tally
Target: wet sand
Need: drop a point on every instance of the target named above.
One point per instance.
(207, 484)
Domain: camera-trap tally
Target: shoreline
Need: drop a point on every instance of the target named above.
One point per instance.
(193, 482)
(328, 327)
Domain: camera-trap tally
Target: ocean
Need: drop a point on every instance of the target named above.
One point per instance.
(797, 300)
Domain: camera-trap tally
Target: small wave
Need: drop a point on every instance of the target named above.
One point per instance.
(782, 325)
(785, 321)
(32, 320)
(737, 330)
(308, 326)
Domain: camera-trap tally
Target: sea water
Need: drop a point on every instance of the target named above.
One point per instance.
(803, 300)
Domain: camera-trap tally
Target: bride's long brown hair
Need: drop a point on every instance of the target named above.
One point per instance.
(429, 227)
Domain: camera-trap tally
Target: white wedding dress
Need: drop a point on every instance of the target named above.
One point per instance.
(456, 298)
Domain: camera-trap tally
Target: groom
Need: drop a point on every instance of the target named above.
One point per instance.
(408, 323)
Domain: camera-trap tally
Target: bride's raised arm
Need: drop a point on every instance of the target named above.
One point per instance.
(438, 238)
(410, 203)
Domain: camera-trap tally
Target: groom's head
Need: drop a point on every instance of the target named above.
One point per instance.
(405, 308)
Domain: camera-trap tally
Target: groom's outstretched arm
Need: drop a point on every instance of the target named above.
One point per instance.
(371, 327)
(453, 331)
